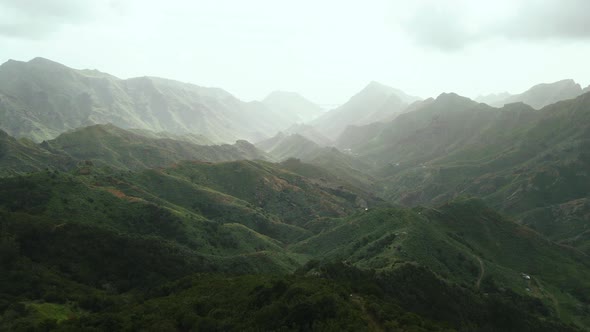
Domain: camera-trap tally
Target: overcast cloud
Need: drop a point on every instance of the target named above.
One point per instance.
(36, 19)
(327, 50)
(452, 25)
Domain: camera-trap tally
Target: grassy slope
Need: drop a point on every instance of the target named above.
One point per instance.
(115, 147)
(451, 241)
(519, 160)
(248, 217)
(73, 228)
(19, 156)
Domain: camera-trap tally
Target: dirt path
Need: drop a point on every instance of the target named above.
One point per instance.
(548, 294)
(482, 271)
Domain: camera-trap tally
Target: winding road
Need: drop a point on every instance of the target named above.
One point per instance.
(482, 271)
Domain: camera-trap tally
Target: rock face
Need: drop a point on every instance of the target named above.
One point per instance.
(41, 99)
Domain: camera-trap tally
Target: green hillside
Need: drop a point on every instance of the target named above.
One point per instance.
(517, 159)
(282, 147)
(346, 166)
(115, 147)
(110, 146)
(465, 243)
(73, 233)
(384, 214)
(202, 217)
(21, 156)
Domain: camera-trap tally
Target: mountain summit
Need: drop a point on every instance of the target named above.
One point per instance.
(292, 106)
(376, 102)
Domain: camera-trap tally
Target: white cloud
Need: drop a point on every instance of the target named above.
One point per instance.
(452, 25)
(326, 50)
(34, 19)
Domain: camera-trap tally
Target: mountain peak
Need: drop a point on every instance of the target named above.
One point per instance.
(518, 106)
(37, 63)
(292, 106)
(562, 84)
(280, 96)
(40, 60)
(44, 62)
(452, 97)
(12, 64)
(376, 86)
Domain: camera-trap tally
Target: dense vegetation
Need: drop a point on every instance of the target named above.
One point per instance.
(212, 247)
(521, 161)
(447, 215)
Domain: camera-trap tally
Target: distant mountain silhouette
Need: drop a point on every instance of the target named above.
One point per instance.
(376, 102)
(292, 106)
(41, 99)
(541, 95)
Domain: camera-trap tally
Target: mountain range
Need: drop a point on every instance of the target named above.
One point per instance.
(41, 99)
(521, 160)
(539, 95)
(122, 207)
(108, 145)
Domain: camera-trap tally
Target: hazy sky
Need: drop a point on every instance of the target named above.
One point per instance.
(326, 50)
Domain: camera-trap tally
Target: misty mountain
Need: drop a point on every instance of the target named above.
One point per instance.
(544, 94)
(525, 162)
(41, 99)
(354, 137)
(437, 129)
(357, 136)
(309, 132)
(108, 145)
(376, 102)
(285, 146)
(431, 130)
(191, 138)
(296, 152)
(292, 106)
(494, 98)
